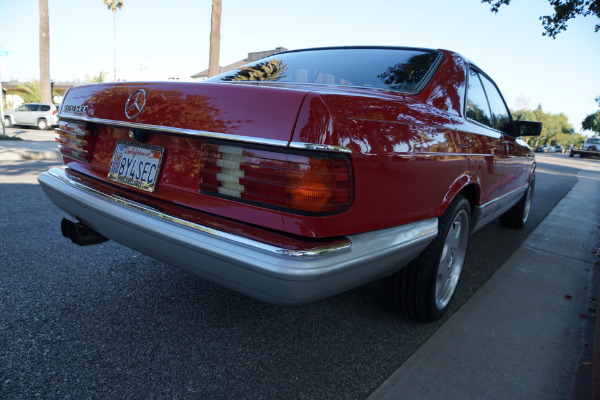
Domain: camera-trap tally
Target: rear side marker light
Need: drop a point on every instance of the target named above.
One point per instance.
(298, 182)
(76, 140)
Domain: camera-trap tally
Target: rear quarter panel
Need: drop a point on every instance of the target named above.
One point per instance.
(409, 158)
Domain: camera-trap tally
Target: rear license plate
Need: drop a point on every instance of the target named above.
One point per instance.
(136, 165)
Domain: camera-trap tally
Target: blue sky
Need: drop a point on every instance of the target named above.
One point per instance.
(162, 39)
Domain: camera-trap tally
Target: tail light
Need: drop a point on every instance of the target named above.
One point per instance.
(76, 140)
(298, 182)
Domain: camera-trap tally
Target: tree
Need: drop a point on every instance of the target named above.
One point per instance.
(564, 10)
(46, 95)
(556, 129)
(31, 92)
(265, 71)
(101, 77)
(215, 39)
(592, 121)
(113, 5)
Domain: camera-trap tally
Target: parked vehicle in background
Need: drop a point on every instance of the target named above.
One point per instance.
(559, 149)
(544, 149)
(44, 116)
(591, 144)
(591, 147)
(301, 175)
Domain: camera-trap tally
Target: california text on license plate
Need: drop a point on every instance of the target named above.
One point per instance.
(136, 165)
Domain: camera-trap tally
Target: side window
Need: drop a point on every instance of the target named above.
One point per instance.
(34, 107)
(44, 108)
(500, 114)
(477, 105)
(24, 107)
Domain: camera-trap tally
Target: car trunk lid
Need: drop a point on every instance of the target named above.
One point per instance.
(246, 112)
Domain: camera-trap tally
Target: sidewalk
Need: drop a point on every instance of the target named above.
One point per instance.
(35, 146)
(521, 336)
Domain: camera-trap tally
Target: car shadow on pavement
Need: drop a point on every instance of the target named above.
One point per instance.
(27, 167)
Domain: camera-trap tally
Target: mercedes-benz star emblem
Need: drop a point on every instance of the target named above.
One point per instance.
(135, 103)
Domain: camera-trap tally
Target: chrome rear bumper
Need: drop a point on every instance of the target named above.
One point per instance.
(277, 275)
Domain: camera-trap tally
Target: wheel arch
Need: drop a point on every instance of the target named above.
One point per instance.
(468, 185)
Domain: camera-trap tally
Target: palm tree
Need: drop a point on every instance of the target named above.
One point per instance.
(46, 95)
(215, 39)
(113, 5)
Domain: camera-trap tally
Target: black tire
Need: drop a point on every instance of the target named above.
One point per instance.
(517, 216)
(423, 289)
(592, 148)
(42, 124)
(571, 154)
(7, 122)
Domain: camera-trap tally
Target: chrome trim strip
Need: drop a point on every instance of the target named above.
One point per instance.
(504, 196)
(486, 213)
(189, 132)
(432, 154)
(214, 135)
(319, 147)
(341, 245)
(318, 85)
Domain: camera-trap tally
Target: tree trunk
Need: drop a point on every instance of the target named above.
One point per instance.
(46, 93)
(215, 39)
(115, 45)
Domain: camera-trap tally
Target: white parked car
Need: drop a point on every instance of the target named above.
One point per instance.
(44, 116)
(592, 144)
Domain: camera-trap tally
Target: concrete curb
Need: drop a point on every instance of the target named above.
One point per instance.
(28, 155)
(14, 150)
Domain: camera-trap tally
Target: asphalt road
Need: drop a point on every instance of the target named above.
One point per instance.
(106, 322)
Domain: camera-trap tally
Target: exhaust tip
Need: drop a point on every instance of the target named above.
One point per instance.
(80, 234)
(67, 228)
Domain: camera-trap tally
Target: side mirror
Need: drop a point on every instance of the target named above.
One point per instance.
(527, 128)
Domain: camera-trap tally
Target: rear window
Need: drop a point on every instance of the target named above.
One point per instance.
(398, 69)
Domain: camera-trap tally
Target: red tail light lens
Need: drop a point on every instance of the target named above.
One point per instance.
(76, 140)
(305, 183)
